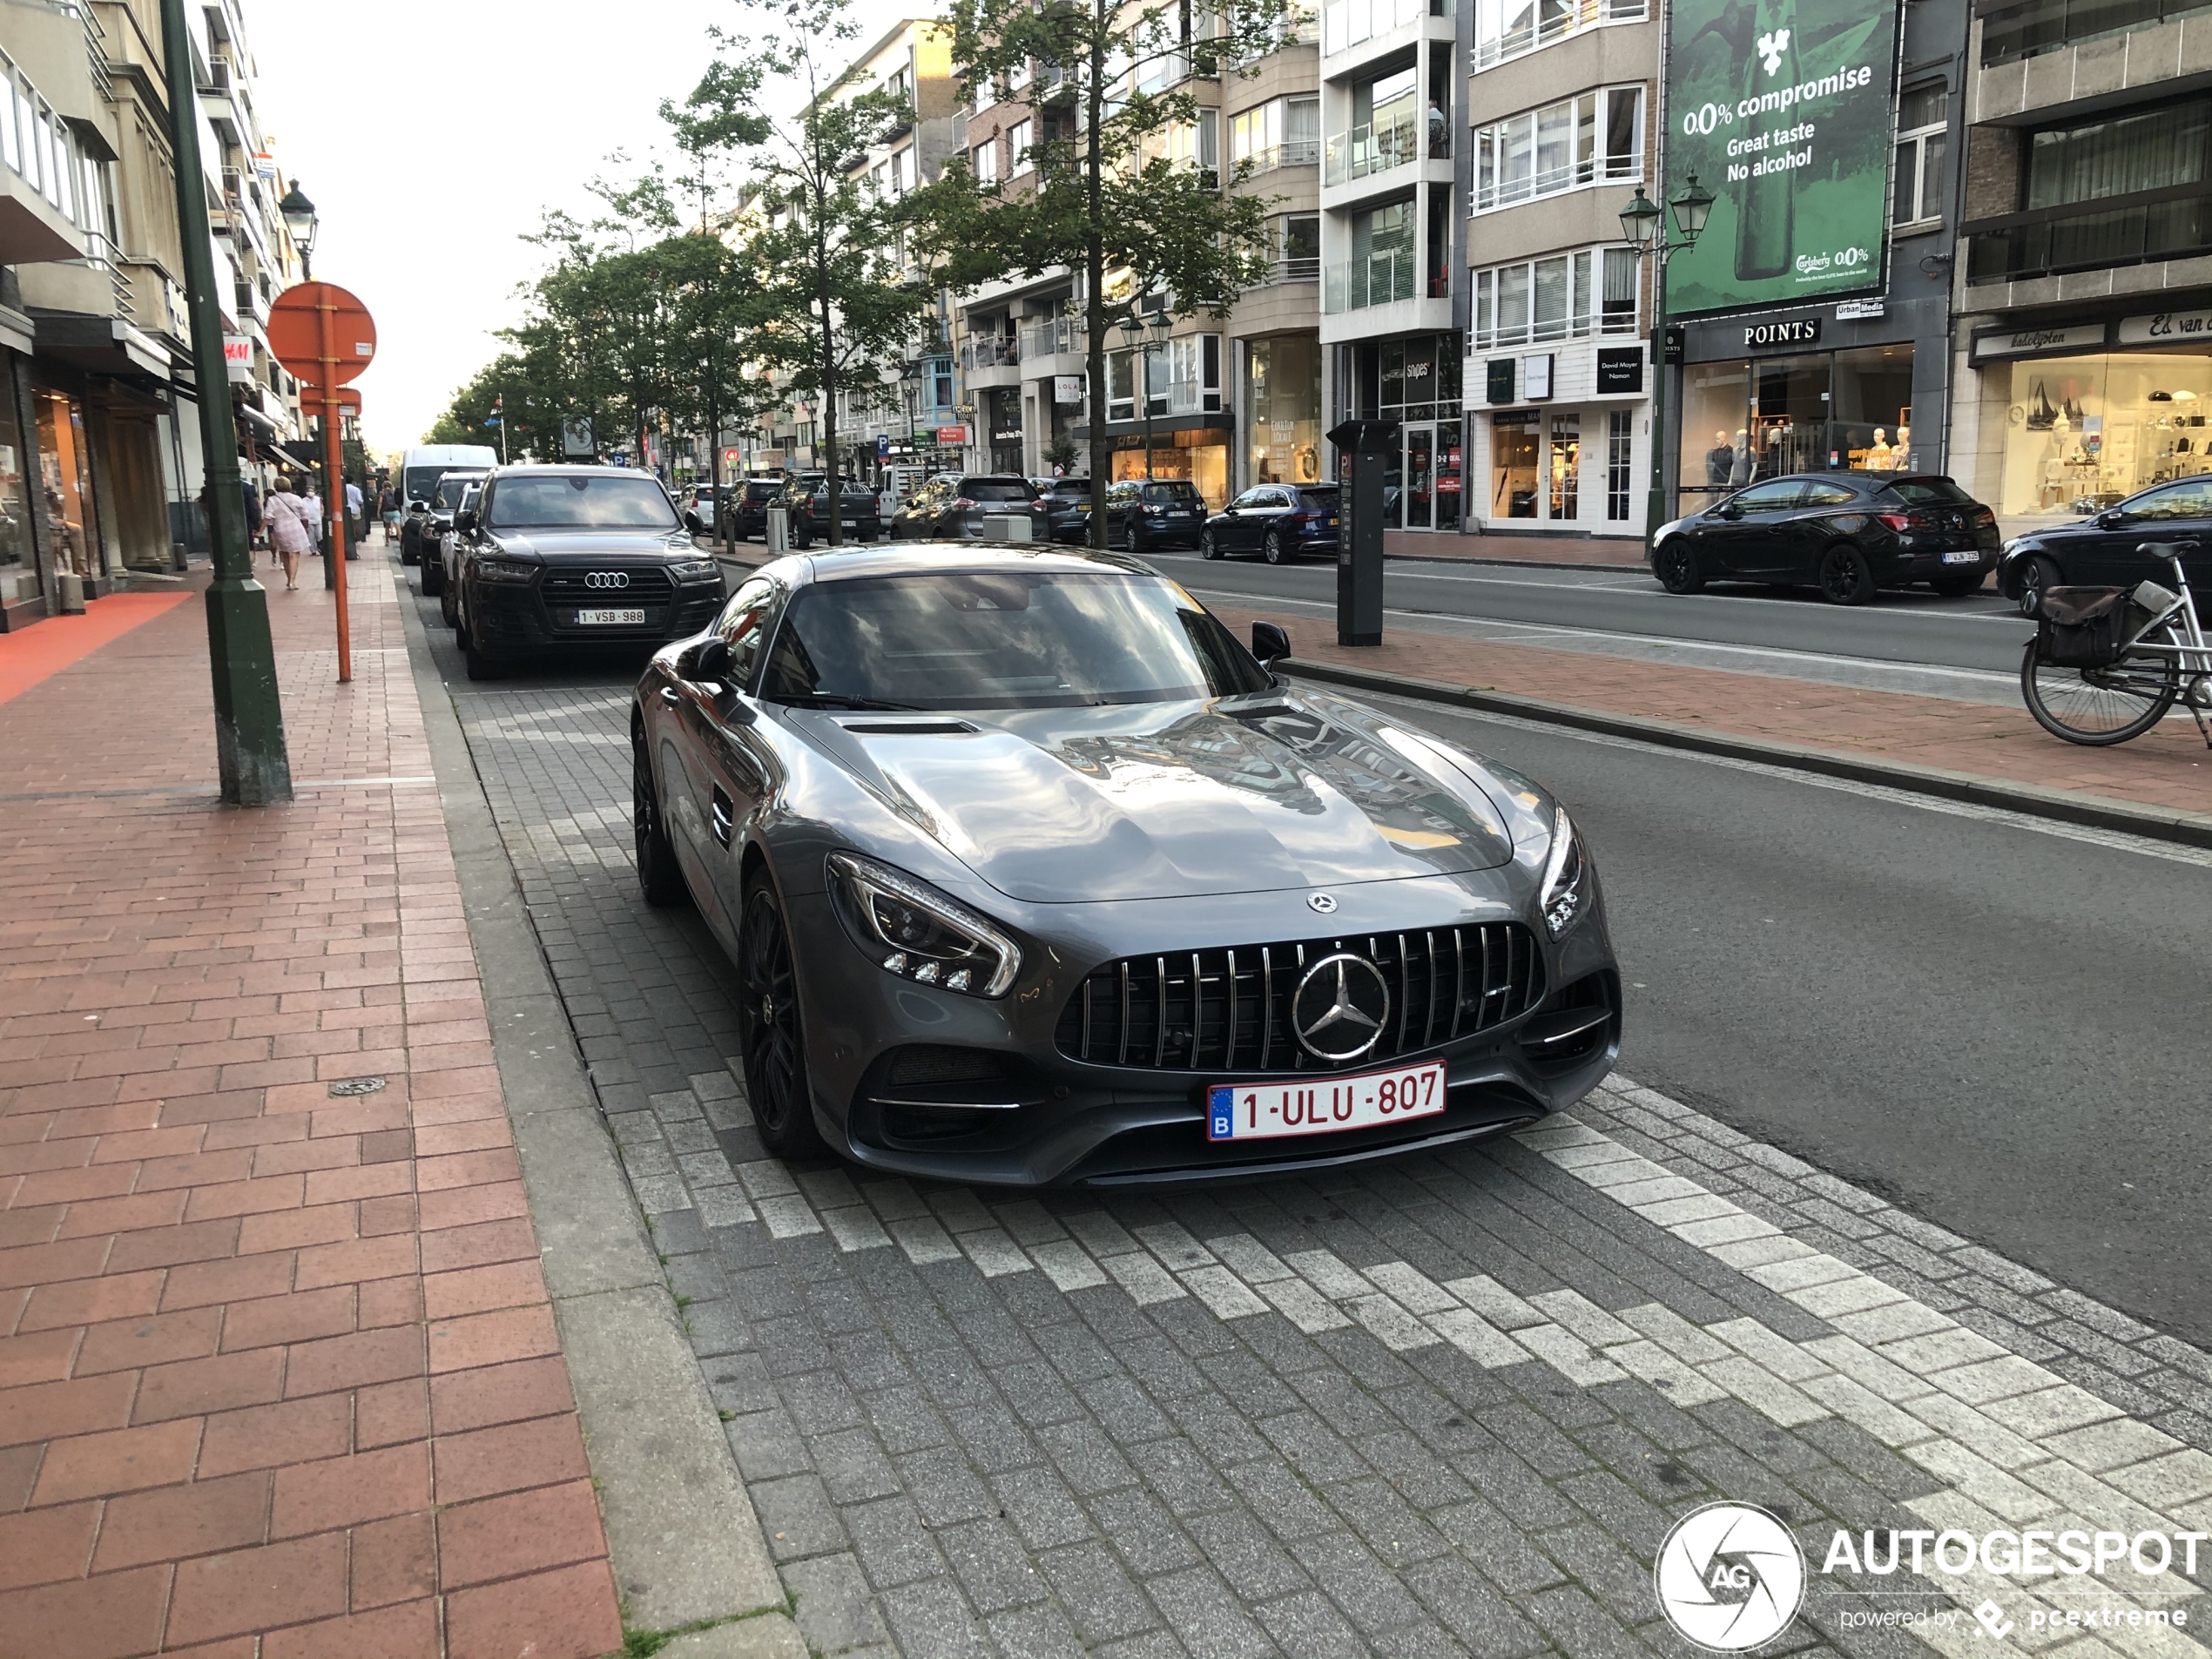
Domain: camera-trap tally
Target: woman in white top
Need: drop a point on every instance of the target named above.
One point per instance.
(285, 516)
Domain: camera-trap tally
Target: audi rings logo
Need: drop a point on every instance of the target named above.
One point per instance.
(1340, 1008)
(607, 579)
(1730, 1577)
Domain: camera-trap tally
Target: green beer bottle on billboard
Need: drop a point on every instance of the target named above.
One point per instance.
(1783, 109)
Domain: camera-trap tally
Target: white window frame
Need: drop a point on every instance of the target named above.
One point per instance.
(1576, 276)
(1913, 150)
(1505, 29)
(1019, 139)
(984, 159)
(1563, 146)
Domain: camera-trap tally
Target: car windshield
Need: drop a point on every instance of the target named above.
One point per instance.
(448, 493)
(766, 491)
(1004, 640)
(583, 502)
(1929, 492)
(421, 482)
(996, 488)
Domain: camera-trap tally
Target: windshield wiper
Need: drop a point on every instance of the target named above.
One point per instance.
(831, 700)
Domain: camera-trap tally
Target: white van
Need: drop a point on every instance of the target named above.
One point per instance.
(420, 467)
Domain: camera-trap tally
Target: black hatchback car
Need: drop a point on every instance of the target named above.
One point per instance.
(748, 506)
(2100, 552)
(1146, 513)
(574, 559)
(1278, 522)
(1846, 533)
(1065, 500)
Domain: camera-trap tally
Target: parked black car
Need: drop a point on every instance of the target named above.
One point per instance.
(574, 559)
(1146, 513)
(805, 497)
(748, 506)
(954, 508)
(450, 496)
(2100, 552)
(1278, 522)
(1062, 498)
(1846, 533)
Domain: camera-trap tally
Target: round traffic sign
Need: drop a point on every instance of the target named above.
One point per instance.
(297, 336)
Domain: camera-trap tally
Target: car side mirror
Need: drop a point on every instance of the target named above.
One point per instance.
(464, 522)
(1270, 643)
(693, 522)
(2111, 519)
(418, 506)
(1730, 510)
(708, 660)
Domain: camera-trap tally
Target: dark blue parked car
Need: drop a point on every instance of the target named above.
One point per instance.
(1278, 522)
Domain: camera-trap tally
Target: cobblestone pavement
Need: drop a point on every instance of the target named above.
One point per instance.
(1447, 1405)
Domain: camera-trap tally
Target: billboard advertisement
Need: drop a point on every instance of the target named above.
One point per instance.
(1782, 109)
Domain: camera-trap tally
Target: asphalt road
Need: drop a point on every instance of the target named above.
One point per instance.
(1996, 1026)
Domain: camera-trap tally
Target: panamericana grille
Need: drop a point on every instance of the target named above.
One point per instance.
(1230, 1009)
(649, 585)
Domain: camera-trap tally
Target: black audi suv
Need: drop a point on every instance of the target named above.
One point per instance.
(562, 560)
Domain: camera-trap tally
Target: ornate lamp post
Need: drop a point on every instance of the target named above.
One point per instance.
(1641, 222)
(1144, 339)
(301, 219)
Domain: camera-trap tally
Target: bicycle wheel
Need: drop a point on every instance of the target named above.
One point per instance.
(2099, 706)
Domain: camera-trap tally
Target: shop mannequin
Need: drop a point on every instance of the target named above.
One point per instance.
(1739, 470)
(1901, 457)
(1720, 460)
(1879, 452)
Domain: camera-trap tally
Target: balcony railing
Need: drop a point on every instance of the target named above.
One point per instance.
(1347, 23)
(1539, 331)
(2171, 224)
(989, 351)
(1050, 339)
(1379, 146)
(1298, 153)
(1376, 280)
(1535, 25)
(2043, 26)
(1294, 270)
(1552, 181)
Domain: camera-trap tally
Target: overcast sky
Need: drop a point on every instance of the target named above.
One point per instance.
(432, 134)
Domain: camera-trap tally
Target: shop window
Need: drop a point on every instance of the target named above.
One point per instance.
(1620, 444)
(1566, 465)
(1595, 138)
(2083, 432)
(66, 486)
(1917, 186)
(1567, 296)
(1514, 444)
(1283, 408)
(18, 562)
(2154, 149)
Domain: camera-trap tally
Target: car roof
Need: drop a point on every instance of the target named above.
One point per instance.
(568, 469)
(907, 558)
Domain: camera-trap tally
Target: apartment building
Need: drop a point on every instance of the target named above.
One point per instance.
(896, 419)
(1391, 336)
(99, 434)
(1560, 127)
(2083, 288)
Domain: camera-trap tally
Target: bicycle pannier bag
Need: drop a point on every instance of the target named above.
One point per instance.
(2082, 627)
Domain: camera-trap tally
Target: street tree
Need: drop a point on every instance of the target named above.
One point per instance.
(1144, 228)
(816, 247)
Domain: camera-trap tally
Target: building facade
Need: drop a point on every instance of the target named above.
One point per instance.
(2083, 289)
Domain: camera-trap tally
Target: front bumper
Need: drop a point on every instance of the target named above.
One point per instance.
(921, 1082)
(513, 618)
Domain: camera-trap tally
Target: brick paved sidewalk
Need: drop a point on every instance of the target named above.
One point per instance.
(2169, 768)
(276, 1359)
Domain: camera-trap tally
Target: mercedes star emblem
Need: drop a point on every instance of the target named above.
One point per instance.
(1340, 1008)
(607, 579)
(1324, 902)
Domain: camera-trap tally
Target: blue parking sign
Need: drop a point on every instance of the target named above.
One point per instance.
(883, 446)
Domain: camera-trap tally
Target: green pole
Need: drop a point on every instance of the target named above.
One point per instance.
(1655, 512)
(249, 719)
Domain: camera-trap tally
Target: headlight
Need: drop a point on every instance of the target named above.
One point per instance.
(1566, 877)
(918, 933)
(505, 570)
(691, 569)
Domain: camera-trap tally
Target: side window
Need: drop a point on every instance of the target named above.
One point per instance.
(1250, 498)
(1777, 497)
(743, 624)
(2191, 499)
(1825, 495)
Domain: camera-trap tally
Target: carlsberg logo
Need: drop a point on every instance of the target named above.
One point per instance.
(1772, 46)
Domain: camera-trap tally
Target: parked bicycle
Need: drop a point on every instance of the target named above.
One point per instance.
(2108, 663)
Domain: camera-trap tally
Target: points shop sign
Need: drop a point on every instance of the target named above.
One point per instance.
(1782, 109)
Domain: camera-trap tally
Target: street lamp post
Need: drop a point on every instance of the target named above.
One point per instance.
(1145, 339)
(301, 219)
(250, 756)
(1641, 222)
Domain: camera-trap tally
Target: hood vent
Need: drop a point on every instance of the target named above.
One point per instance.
(906, 728)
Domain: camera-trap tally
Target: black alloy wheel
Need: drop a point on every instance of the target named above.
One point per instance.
(1273, 550)
(657, 875)
(1208, 548)
(773, 1050)
(1846, 577)
(479, 665)
(448, 605)
(2038, 576)
(433, 575)
(1676, 567)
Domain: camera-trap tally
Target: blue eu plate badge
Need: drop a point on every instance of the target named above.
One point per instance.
(1221, 1113)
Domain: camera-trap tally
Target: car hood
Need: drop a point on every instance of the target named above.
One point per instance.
(590, 545)
(1177, 799)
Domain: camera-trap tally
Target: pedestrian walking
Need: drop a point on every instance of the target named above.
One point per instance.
(353, 519)
(252, 515)
(290, 533)
(388, 505)
(311, 501)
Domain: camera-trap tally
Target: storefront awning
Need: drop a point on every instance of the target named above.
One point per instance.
(100, 344)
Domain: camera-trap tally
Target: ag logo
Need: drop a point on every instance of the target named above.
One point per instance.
(1730, 1577)
(1772, 46)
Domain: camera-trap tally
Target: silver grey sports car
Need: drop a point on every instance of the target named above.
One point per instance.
(1033, 873)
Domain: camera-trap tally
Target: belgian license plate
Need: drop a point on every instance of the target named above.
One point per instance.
(1332, 524)
(586, 618)
(1265, 1112)
(1963, 555)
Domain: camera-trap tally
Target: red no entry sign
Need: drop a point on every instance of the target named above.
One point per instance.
(299, 340)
